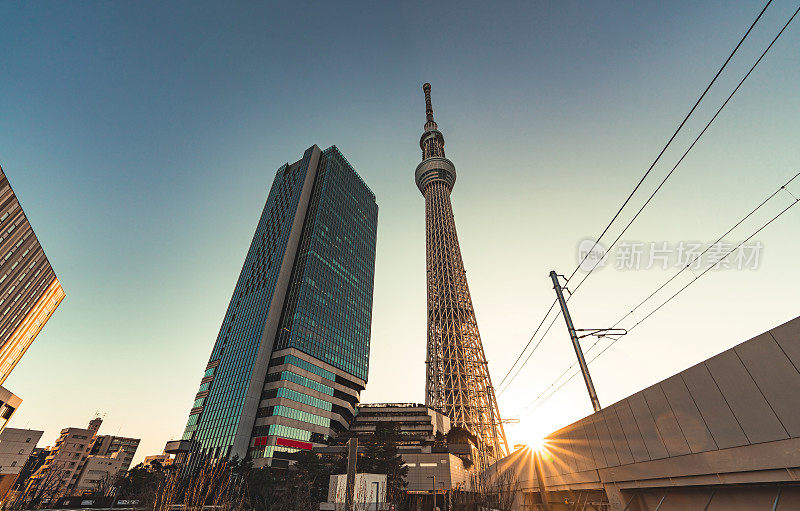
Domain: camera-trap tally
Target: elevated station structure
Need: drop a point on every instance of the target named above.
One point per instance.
(723, 435)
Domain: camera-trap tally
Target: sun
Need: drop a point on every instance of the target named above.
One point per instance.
(537, 444)
(529, 437)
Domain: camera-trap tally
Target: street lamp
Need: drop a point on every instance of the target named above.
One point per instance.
(433, 506)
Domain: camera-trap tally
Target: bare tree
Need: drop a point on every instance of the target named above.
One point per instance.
(360, 502)
(490, 489)
(46, 486)
(506, 487)
(106, 483)
(213, 484)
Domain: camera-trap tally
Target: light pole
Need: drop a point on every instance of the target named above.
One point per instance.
(433, 506)
(352, 457)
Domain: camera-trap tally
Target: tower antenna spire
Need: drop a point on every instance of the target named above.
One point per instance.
(432, 141)
(428, 108)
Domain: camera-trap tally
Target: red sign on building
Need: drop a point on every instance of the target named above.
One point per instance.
(296, 444)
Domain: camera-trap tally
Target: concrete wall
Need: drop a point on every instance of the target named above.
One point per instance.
(732, 419)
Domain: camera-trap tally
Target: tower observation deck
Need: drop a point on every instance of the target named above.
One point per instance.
(457, 375)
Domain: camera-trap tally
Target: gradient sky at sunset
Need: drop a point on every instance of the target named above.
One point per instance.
(142, 137)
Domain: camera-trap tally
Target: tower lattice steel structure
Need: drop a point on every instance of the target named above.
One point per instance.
(458, 382)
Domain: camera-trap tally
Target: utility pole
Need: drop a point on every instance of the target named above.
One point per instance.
(575, 342)
(352, 457)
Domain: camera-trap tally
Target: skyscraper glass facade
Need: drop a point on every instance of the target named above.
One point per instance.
(214, 417)
(329, 309)
(292, 353)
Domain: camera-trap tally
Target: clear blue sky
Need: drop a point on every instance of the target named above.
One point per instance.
(142, 137)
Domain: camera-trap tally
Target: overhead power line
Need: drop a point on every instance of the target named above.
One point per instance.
(526, 346)
(682, 289)
(625, 203)
(664, 149)
(708, 124)
(787, 208)
(534, 348)
(701, 254)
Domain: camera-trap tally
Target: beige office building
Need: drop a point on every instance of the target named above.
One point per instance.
(163, 459)
(62, 467)
(8, 405)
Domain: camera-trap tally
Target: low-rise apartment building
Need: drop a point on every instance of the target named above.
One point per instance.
(81, 461)
(62, 467)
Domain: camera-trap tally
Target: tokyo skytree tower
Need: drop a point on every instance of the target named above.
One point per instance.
(457, 382)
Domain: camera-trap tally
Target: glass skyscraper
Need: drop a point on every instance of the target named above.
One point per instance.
(292, 354)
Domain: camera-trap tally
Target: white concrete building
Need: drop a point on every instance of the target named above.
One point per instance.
(60, 471)
(100, 472)
(369, 492)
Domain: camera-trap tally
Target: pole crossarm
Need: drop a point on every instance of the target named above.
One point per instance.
(600, 332)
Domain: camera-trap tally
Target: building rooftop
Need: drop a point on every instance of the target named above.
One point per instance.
(392, 405)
